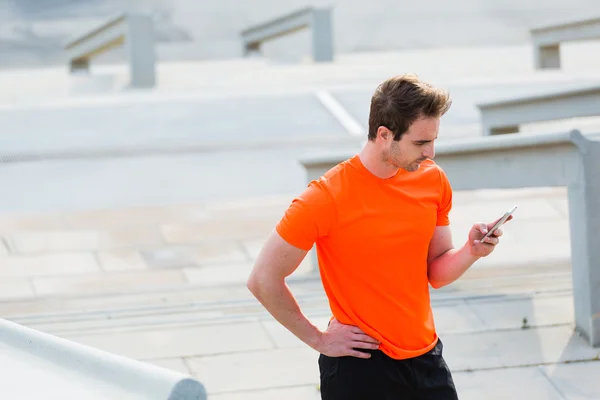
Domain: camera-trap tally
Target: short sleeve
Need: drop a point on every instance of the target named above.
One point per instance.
(445, 204)
(309, 217)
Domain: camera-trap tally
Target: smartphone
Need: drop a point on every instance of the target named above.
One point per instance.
(500, 222)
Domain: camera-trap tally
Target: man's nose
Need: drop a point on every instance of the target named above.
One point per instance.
(429, 151)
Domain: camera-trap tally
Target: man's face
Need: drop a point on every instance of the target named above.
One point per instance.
(415, 146)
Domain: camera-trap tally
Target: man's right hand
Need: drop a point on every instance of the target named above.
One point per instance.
(344, 340)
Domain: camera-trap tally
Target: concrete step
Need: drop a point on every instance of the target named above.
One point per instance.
(189, 306)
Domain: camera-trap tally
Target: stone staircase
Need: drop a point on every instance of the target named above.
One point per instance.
(177, 264)
(191, 305)
(166, 285)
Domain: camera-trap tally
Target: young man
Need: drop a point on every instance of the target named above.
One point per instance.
(381, 228)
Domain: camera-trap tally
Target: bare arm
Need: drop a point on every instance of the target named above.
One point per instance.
(445, 264)
(277, 260)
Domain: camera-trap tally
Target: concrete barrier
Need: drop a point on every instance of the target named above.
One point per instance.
(505, 116)
(37, 365)
(316, 18)
(547, 39)
(517, 161)
(135, 31)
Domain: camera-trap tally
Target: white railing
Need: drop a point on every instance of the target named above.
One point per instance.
(134, 31)
(37, 365)
(505, 116)
(315, 18)
(547, 39)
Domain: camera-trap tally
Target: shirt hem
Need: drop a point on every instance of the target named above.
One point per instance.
(401, 354)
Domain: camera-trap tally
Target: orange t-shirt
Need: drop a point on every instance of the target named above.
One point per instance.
(372, 237)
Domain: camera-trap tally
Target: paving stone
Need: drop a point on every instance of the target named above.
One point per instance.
(83, 240)
(175, 364)
(576, 381)
(306, 392)
(501, 384)
(197, 254)
(125, 299)
(283, 338)
(48, 264)
(147, 216)
(218, 228)
(471, 352)
(15, 288)
(545, 345)
(513, 348)
(220, 251)
(269, 205)
(116, 282)
(219, 274)
(170, 257)
(121, 260)
(149, 344)
(17, 222)
(537, 311)
(456, 318)
(257, 370)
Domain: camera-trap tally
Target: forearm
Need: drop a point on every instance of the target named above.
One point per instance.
(277, 298)
(450, 266)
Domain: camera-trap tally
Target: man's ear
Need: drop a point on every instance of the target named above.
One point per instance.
(384, 133)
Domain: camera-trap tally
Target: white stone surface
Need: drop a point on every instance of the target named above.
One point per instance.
(119, 282)
(284, 338)
(183, 342)
(219, 274)
(514, 348)
(305, 392)
(537, 311)
(175, 364)
(577, 381)
(257, 370)
(15, 288)
(500, 384)
(48, 264)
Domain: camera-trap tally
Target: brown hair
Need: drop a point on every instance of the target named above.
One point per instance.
(401, 100)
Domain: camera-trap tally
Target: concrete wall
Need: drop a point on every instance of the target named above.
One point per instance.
(32, 31)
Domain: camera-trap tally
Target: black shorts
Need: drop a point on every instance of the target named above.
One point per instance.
(380, 377)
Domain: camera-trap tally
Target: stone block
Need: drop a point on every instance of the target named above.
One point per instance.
(257, 370)
(83, 240)
(117, 282)
(149, 344)
(48, 264)
(121, 260)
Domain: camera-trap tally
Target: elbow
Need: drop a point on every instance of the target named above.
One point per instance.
(435, 278)
(253, 284)
(257, 283)
(436, 283)
(262, 282)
